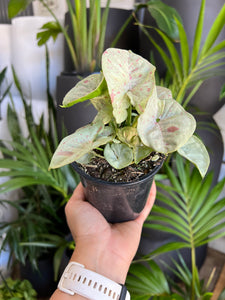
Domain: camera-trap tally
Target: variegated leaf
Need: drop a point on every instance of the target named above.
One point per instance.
(84, 140)
(165, 125)
(118, 155)
(104, 108)
(90, 87)
(130, 79)
(195, 151)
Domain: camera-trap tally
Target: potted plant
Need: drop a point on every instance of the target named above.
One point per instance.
(88, 31)
(137, 123)
(11, 289)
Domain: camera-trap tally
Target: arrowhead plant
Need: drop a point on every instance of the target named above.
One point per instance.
(135, 117)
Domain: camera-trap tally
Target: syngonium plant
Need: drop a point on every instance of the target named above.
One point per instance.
(135, 117)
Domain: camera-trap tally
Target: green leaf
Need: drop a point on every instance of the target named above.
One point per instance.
(50, 29)
(148, 281)
(198, 35)
(222, 92)
(84, 140)
(118, 155)
(174, 55)
(195, 151)
(184, 48)
(90, 87)
(17, 6)
(214, 32)
(164, 16)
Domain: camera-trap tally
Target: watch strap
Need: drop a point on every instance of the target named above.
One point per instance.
(78, 280)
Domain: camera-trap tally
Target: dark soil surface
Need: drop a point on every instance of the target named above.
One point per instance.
(100, 168)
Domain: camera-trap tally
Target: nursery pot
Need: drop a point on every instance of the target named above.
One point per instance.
(117, 202)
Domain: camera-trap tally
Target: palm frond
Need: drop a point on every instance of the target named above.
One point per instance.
(193, 212)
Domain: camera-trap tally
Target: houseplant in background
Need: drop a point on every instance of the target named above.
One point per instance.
(40, 230)
(189, 67)
(193, 212)
(87, 34)
(17, 290)
(135, 120)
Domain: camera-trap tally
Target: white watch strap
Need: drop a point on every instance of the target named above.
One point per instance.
(77, 279)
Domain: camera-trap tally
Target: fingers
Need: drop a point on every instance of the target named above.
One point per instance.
(148, 206)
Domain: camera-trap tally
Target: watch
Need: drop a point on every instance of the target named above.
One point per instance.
(78, 280)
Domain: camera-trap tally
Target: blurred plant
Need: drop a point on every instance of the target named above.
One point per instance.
(17, 290)
(187, 70)
(193, 212)
(41, 224)
(89, 29)
(4, 92)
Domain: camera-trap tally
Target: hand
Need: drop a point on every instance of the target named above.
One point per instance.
(107, 249)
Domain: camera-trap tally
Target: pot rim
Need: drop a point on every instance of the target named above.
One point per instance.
(101, 181)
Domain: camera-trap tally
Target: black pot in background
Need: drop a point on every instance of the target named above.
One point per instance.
(129, 39)
(42, 279)
(118, 202)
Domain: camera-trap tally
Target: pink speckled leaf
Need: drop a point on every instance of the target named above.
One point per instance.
(163, 93)
(130, 79)
(84, 140)
(92, 86)
(195, 151)
(165, 126)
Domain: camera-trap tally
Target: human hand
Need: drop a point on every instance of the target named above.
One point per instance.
(107, 249)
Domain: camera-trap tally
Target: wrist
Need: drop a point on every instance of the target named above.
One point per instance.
(101, 263)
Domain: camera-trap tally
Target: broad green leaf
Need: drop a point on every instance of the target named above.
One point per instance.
(90, 87)
(17, 6)
(50, 29)
(76, 145)
(118, 155)
(195, 151)
(165, 126)
(130, 79)
(164, 16)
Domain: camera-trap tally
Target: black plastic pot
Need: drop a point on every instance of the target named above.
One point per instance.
(118, 202)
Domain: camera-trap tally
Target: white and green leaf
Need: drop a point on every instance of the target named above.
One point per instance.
(84, 140)
(118, 155)
(90, 87)
(130, 80)
(165, 126)
(195, 151)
